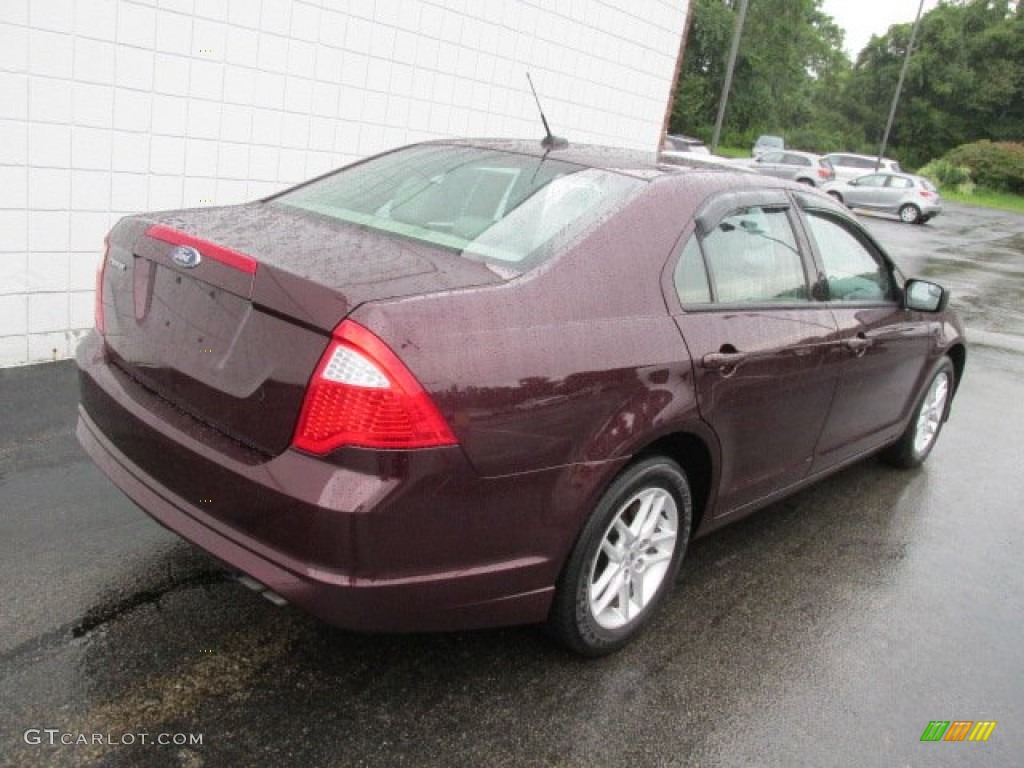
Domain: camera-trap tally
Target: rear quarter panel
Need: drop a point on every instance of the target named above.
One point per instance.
(575, 362)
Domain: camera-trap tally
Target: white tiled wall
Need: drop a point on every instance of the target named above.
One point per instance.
(110, 107)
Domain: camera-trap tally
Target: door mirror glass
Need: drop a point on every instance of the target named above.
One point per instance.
(923, 296)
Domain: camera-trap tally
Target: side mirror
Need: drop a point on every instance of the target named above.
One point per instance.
(922, 296)
(852, 182)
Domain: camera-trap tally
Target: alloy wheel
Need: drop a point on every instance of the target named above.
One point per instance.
(933, 408)
(634, 557)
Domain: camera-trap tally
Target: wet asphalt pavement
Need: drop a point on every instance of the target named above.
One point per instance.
(827, 630)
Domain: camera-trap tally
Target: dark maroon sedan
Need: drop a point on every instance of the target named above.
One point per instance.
(466, 384)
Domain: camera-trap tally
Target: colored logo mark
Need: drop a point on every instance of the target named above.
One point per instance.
(958, 730)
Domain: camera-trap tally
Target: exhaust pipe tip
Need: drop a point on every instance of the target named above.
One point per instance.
(261, 589)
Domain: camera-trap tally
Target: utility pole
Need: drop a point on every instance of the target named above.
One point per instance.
(899, 87)
(724, 98)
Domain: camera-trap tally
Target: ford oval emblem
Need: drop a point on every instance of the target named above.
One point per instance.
(186, 256)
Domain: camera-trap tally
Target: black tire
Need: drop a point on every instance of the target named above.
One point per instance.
(910, 214)
(922, 432)
(808, 182)
(649, 561)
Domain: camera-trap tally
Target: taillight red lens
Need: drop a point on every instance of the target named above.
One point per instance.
(362, 395)
(227, 256)
(101, 325)
(926, 193)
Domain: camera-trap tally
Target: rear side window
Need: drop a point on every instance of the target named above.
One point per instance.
(854, 272)
(485, 204)
(691, 276)
(899, 182)
(752, 256)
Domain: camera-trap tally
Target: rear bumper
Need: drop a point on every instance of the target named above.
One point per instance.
(408, 541)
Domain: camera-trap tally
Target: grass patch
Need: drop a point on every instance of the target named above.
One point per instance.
(732, 152)
(984, 198)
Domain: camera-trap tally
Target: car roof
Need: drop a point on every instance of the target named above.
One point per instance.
(630, 162)
(861, 157)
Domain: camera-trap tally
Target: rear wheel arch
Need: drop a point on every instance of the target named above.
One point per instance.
(694, 457)
(626, 558)
(909, 213)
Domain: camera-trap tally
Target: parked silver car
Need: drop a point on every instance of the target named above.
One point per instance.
(913, 198)
(767, 143)
(850, 166)
(804, 167)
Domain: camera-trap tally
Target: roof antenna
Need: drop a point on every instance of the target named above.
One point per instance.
(550, 141)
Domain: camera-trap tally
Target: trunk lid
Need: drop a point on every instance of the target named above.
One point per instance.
(233, 339)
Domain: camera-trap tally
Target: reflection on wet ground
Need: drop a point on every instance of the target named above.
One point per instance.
(977, 253)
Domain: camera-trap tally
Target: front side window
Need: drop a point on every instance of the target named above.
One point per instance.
(753, 257)
(485, 204)
(853, 271)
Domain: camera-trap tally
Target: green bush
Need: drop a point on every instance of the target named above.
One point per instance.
(948, 175)
(998, 166)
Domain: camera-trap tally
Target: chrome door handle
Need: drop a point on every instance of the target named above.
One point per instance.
(720, 360)
(858, 344)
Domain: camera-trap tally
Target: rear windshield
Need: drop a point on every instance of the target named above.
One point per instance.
(500, 207)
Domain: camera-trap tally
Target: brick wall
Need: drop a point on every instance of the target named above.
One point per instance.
(111, 107)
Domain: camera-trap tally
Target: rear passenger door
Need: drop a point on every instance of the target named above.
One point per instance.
(759, 342)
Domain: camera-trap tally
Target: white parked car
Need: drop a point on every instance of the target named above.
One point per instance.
(849, 166)
(805, 167)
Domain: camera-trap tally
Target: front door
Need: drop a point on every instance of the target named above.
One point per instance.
(884, 346)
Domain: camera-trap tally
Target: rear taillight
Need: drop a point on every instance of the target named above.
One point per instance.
(362, 395)
(100, 271)
(825, 173)
(926, 193)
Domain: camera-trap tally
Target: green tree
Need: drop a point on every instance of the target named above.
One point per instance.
(788, 72)
(965, 81)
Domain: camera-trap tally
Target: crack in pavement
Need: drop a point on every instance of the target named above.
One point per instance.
(97, 617)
